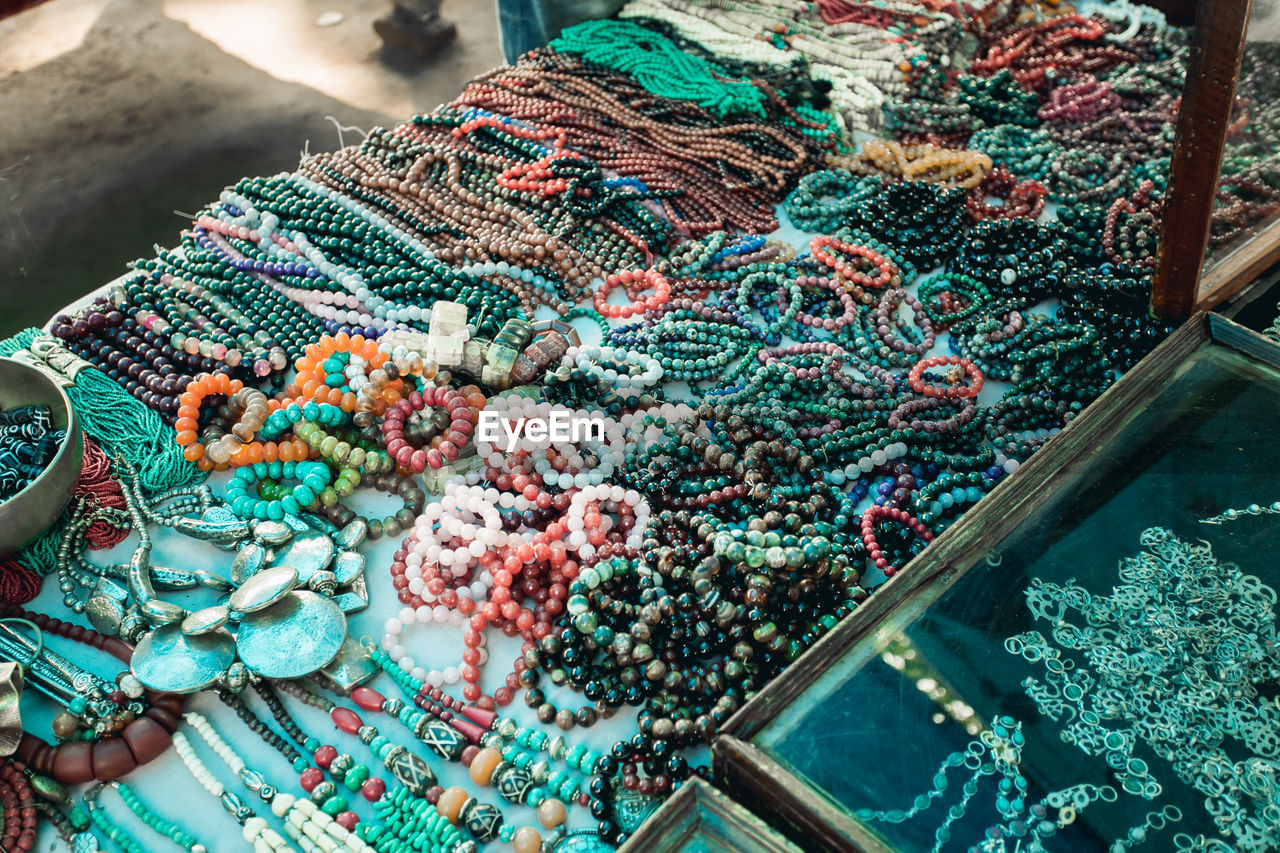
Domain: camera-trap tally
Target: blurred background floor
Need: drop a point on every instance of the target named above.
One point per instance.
(116, 113)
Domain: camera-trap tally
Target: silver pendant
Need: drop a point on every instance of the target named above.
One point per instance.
(352, 535)
(354, 598)
(263, 589)
(173, 579)
(347, 566)
(294, 637)
(308, 553)
(105, 609)
(157, 611)
(206, 620)
(105, 614)
(272, 532)
(352, 667)
(251, 558)
(170, 661)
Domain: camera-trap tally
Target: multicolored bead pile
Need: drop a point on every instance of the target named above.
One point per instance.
(766, 430)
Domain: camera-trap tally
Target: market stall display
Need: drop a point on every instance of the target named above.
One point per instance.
(456, 488)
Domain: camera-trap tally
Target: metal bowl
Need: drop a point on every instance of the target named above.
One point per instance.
(33, 510)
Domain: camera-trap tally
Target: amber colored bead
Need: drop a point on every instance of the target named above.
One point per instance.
(483, 765)
(451, 803)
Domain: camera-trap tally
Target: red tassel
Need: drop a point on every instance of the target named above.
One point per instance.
(97, 484)
(18, 584)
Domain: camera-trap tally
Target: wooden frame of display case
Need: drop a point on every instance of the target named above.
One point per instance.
(1182, 285)
(1240, 266)
(699, 809)
(754, 778)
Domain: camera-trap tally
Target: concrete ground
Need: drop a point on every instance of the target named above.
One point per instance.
(114, 114)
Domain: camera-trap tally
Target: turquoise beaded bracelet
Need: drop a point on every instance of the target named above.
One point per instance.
(313, 477)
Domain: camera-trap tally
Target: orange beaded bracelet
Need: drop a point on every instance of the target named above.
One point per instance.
(311, 384)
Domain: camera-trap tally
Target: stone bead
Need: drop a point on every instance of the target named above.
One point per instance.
(367, 699)
(483, 765)
(551, 813)
(373, 789)
(451, 802)
(65, 725)
(310, 779)
(112, 759)
(146, 738)
(527, 840)
(346, 720)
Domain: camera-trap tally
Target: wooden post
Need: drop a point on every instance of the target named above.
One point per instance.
(1216, 51)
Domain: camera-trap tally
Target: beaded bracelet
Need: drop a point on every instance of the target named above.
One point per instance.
(878, 513)
(385, 384)
(665, 772)
(219, 453)
(1022, 151)
(307, 421)
(928, 163)
(843, 299)
(346, 452)
(1022, 199)
(557, 463)
(326, 377)
(486, 766)
(952, 389)
(589, 314)
(882, 320)
(634, 283)
(314, 477)
(460, 428)
(628, 372)
(822, 199)
(413, 497)
(885, 273)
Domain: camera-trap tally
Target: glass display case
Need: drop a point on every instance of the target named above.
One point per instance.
(700, 819)
(1085, 660)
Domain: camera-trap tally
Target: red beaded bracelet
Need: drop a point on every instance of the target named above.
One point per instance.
(875, 513)
(635, 283)
(418, 459)
(955, 391)
(1023, 199)
(885, 275)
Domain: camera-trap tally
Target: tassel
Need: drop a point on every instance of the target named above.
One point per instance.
(124, 426)
(22, 340)
(98, 486)
(18, 584)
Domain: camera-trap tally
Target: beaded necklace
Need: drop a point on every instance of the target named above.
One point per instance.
(694, 156)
